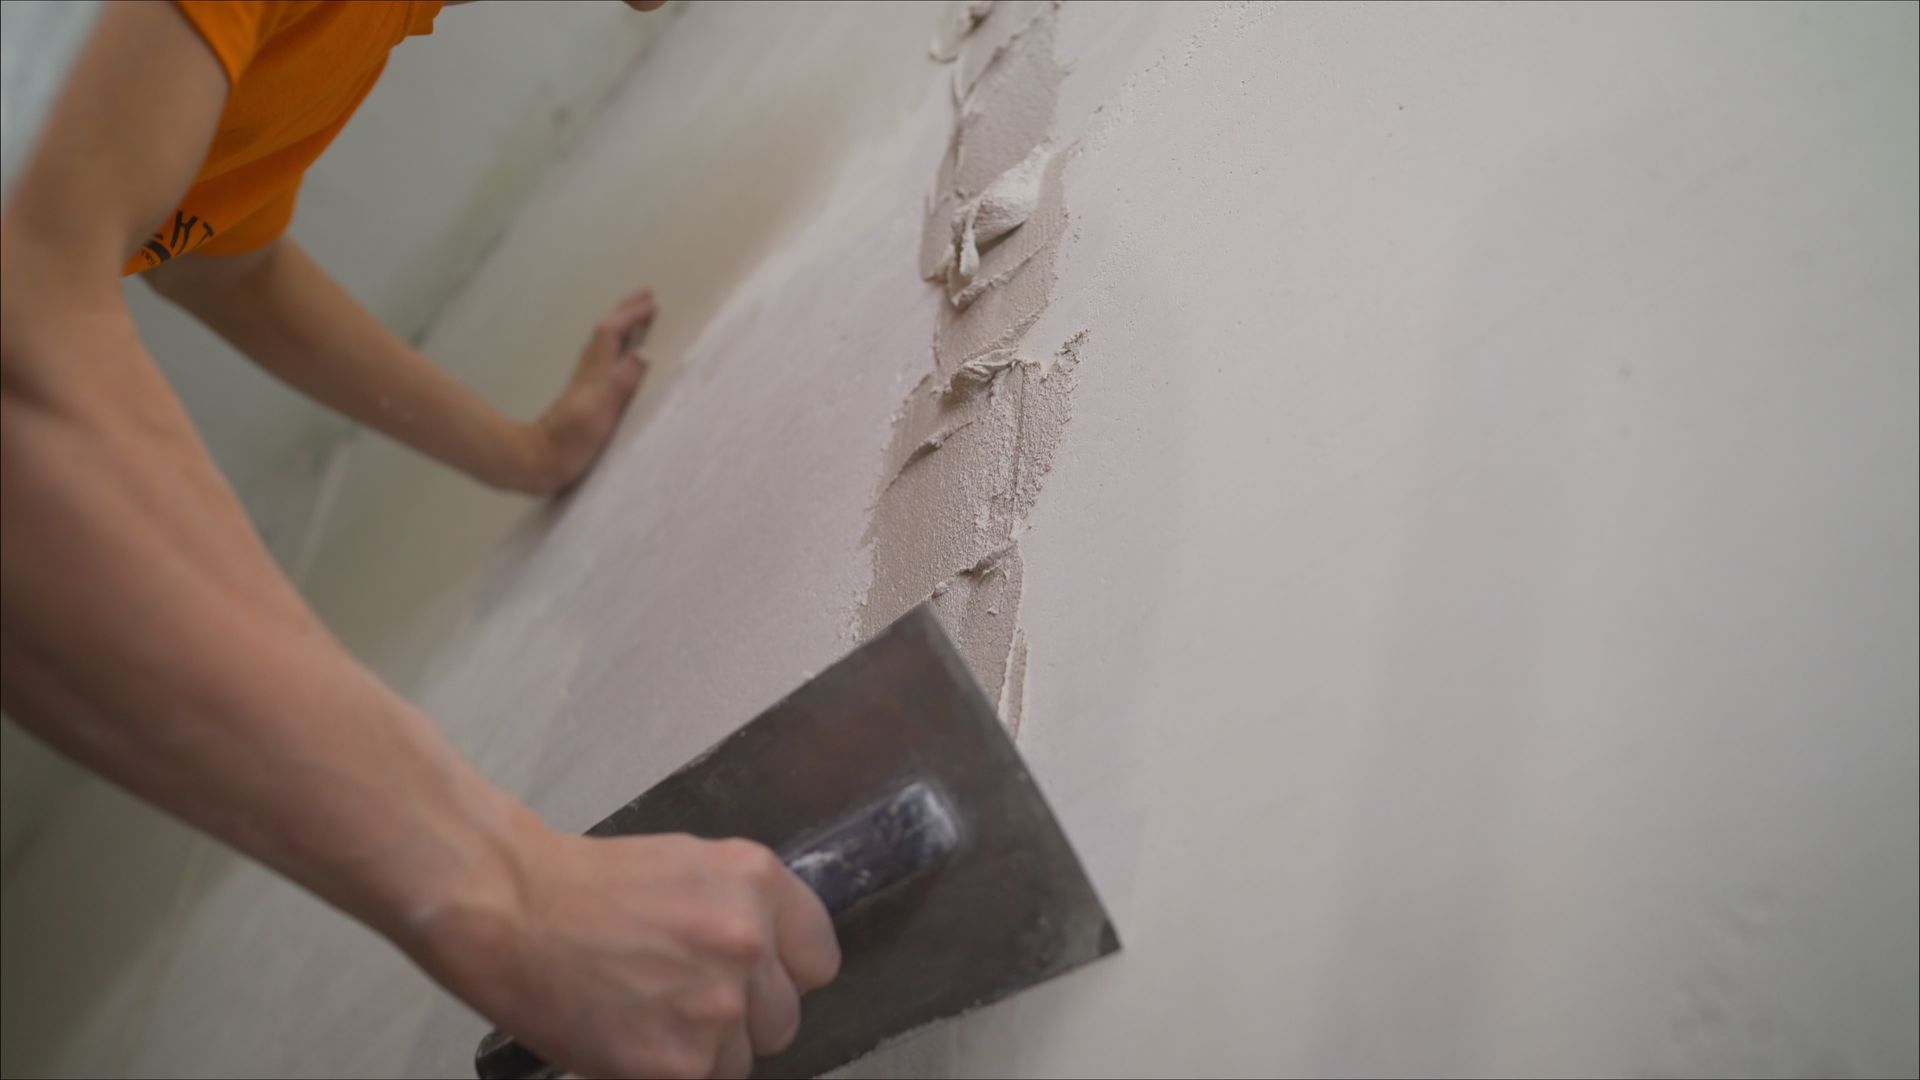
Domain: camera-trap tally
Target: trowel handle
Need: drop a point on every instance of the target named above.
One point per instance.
(876, 847)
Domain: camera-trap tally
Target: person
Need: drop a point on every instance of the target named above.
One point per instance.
(146, 632)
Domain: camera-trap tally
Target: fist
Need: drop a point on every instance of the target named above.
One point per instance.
(642, 956)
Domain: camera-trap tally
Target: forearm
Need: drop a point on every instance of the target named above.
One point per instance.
(145, 632)
(283, 310)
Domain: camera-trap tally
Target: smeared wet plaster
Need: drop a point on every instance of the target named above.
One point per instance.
(1006, 204)
(955, 24)
(976, 436)
(991, 38)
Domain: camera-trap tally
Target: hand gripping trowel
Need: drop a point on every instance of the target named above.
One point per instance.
(888, 785)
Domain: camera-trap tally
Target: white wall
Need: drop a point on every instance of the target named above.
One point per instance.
(1472, 610)
(39, 40)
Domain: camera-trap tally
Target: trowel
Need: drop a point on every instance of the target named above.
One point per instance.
(889, 786)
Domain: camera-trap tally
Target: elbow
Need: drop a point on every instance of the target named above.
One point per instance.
(48, 319)
(61, 355)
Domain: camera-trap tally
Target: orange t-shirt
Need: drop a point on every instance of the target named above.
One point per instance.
(296, 70)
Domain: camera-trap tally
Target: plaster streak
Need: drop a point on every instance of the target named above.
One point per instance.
(992, 36)
(1013, 693)
(956, 23)
(975, 437)
(1004, 206)
(1007, 113)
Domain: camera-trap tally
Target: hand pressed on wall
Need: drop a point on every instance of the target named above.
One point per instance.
(565, 441)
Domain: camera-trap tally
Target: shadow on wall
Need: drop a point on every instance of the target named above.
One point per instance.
(32, 777)
(110, 922)
(1493, 666)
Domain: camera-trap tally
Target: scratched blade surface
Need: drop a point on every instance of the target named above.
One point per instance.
(1012, 907)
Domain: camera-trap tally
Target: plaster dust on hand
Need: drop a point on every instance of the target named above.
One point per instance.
(975, 437)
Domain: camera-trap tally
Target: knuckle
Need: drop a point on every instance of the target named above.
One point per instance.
(827, 968)
(736, 937)
(722, 1005)
(753, 862)
(780, 1037)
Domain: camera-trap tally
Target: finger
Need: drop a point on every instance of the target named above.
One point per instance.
(633, 315)
(624, 327)
(624, 380)
(633, 335)
(804, 934)
(773, 1008)
(735, 1059)
(636, 308)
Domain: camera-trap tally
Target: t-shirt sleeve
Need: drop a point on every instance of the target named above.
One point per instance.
(257, 229)
(233, 29)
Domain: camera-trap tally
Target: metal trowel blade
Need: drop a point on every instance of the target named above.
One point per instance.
(898, 722)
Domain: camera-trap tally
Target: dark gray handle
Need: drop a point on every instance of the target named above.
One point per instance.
(875, 848)
(860, 856)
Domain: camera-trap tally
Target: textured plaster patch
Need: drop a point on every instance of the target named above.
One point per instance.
(1007, 114)
(993, 36)
(956, 23)
(1004, 206)
(1010, 110)
(974, 439)
(968, 459)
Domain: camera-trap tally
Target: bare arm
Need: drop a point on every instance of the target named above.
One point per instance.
(146, 633)
(286, 313)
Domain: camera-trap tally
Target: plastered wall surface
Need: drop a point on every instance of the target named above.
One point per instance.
(1470, 612)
